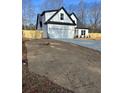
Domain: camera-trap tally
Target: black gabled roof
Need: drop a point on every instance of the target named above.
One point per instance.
(59, 23)
(48, 11)
(74, 15)
(48, 21)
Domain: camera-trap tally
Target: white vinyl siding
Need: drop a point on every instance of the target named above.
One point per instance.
(81, 32)
(74, 18)
(58, 15)
(48, 15)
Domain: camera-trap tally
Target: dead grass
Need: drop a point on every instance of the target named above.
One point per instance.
(95, 36)
(32, 34)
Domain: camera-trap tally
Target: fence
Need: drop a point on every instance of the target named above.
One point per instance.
(96, 36)
(32, 34)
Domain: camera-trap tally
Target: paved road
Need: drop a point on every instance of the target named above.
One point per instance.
(94, 44)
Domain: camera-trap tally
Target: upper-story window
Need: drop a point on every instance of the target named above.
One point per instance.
(62, 16)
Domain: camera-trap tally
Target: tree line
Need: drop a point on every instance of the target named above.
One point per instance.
(88, 13)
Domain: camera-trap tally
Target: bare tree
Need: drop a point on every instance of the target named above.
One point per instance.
(89, 14)
(94, 16)
(51, 4)
(72, 8)
(24, 17)
(81, 11)
(28, 13)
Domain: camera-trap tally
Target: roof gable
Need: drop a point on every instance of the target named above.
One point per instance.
(56, 17)
(74, 15)
(48, 15)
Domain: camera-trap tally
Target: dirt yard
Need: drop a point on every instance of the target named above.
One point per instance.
(70, 66)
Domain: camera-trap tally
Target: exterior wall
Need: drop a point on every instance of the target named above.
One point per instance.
(43, 20)
(76, 33)
(57, 17)
(39, 19)
(60, 31)
(74, 18)
(86, 33)
(44, 27)
(45, 33)
(48, 15)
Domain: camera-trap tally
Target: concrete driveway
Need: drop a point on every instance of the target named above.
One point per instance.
(94, 44)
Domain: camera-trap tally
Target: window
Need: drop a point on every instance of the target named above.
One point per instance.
(82, 32)
(62, 16)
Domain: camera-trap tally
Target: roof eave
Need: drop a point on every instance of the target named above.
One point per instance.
(59, 23)
(82, 28)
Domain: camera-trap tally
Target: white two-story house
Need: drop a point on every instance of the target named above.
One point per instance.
(60, 24)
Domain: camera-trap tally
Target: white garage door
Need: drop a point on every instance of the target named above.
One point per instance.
(58, 33)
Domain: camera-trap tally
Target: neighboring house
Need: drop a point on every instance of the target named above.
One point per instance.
(60, 24)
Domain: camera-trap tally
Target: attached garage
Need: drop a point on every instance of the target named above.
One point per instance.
(60, 31)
